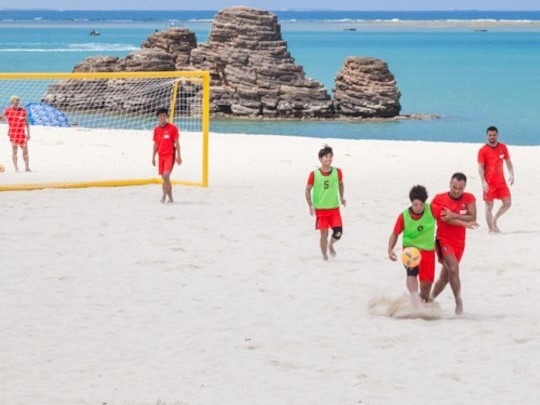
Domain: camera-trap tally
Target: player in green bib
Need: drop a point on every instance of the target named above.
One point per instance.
(324, 194)
(417, 223)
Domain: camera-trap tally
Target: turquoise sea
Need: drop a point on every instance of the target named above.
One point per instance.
(472, 68)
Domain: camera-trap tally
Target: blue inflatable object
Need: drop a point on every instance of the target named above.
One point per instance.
(46, 115)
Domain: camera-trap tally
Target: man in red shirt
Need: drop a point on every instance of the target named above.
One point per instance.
(19, 130)
(167, 146)
(490, 167)
(456, 211)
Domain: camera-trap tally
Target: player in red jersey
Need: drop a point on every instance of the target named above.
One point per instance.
(19, 131)
(456, 211)
(490, 167)
(167, 146)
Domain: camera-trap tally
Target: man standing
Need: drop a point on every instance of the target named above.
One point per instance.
(456, 210)
(19, 131)
(490, 167)
(167, 146)
(327, 185)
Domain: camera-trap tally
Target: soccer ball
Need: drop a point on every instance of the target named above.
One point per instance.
(411, 257)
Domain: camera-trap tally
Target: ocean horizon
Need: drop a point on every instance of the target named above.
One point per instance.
(471, 68)
(44, 14)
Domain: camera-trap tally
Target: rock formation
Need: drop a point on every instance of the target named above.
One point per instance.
(252, 74)
(177, 42)
(97, 64)
(366, 88)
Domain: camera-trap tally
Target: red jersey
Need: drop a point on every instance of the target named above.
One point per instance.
(165, 137)
(492, 158)
(16, 119)
(311, 178)
(453, 235)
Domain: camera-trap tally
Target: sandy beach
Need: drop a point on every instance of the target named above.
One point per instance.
(109, 297)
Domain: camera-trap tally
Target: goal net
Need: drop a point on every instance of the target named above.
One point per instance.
(96, 129)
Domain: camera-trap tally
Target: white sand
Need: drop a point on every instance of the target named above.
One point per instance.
(108, 296)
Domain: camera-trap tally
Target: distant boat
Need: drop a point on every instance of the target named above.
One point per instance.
(94, 33)
(349, 29)
(480, 30)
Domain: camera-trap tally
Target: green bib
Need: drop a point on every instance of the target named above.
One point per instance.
(326, 190)
(419, 232)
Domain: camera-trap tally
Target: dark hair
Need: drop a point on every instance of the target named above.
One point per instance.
(418, 192)
(492, 128)
(325, 151)
(459, 177)
(162, 111)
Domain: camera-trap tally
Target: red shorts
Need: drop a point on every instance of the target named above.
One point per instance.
(427, 266)
(446, 249)
(498, 191)
(166, 163)
(18, 140)
(328, 218)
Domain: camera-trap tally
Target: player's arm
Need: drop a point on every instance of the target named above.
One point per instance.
(471, 211)
(27, 124)
(482, 173)
(154, 151)
(467, 220)
(177, 149)
(391, 245)
(452, 217)
(399, 226)
(510, 168)
(342, 193)
(465, 224)
(308, 198)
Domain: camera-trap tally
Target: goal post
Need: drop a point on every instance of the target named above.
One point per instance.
(94, 129)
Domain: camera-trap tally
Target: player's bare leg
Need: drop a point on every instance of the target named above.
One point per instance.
(412, 287)
(167, 188)
(331, 249)
(14, 148)
(425, 289)
(169, 194)
(438, 287)
(336, 235)
(324, 243)
(26, 158)
(451, 263)
(506, 204)
(459, 306)
(489, 216)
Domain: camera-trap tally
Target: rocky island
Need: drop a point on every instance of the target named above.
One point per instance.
(253, 75)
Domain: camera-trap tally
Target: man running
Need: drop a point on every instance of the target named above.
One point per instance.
(456, 211)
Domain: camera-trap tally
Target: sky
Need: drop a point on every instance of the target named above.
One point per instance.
(275, 4)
